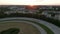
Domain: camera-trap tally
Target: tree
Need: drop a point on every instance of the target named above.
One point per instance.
(10, 31)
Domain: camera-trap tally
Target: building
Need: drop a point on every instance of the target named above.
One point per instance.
(19, 9)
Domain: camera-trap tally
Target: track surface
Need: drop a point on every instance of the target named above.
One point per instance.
(52, 27)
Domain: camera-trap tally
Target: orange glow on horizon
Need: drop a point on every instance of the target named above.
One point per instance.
(31, 7)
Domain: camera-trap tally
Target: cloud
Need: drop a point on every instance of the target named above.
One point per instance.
(29, 2)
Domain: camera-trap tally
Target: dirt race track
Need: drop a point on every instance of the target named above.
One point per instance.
(29, 25)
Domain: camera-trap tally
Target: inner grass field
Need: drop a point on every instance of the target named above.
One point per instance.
(24, 27)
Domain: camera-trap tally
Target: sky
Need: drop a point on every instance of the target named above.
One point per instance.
(29, 2)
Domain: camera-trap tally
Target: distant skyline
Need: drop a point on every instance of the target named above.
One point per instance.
(29, 2)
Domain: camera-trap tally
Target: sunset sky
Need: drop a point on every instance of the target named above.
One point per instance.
(29, 2)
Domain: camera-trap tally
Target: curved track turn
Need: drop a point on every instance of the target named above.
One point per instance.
(43, 26)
